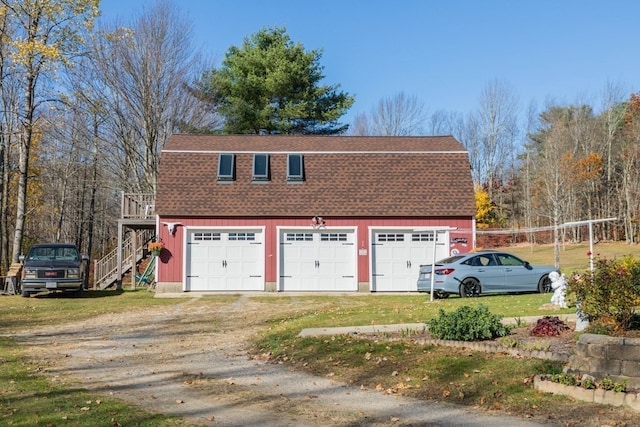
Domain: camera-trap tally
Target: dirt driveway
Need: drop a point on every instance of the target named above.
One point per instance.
(192, 360)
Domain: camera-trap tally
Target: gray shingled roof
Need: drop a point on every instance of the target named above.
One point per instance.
(344, 176)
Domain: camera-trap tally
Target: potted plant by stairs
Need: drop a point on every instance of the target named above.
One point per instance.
(155, 248)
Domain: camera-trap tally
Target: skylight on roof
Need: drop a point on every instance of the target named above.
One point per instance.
(295, 167)
(260, 167)
(226, 167)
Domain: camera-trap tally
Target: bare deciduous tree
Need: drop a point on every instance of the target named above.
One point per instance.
(9, 131)
(397, 115)
(360, 125)
(497, 122)
(146, 68)
(442, 122)
(46, 33)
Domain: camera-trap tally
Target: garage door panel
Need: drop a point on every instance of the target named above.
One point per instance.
(397, 256)
(306, 253)
(225, 260)
(199, 283)
(304, 256)
(320, 260)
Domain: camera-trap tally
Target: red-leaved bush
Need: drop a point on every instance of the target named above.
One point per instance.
(549, 326)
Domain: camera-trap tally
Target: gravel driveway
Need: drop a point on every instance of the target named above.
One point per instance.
(192, 360)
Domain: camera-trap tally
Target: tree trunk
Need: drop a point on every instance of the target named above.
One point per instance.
(23, 169)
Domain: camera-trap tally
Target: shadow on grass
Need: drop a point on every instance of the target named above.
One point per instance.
(71, 295)
(102, 294)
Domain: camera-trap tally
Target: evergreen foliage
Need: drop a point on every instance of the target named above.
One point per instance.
(271, 85)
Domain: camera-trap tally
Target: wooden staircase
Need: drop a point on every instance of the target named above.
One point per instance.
(105, 270)
(137, 220)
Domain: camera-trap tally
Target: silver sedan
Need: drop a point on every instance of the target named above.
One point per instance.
(484, 272)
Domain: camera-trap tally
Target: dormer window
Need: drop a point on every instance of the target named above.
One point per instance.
(261, 167)
(295, 167)
(226, 167)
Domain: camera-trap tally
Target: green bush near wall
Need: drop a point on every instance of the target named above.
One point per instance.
(468, 324)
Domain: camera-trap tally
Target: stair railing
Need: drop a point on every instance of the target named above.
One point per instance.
(105, 270)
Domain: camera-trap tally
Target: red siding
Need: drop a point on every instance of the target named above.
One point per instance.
(171, 265)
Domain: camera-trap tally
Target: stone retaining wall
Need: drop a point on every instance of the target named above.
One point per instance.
(603, 356)
(605, 397)
(490, 347)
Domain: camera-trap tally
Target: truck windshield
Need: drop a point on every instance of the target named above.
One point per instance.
(43, 253)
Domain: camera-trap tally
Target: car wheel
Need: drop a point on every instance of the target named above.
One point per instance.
(25, 294)
(544, 284)
(469, 288)
(440, 295)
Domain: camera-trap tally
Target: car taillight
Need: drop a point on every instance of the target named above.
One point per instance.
(444, 271)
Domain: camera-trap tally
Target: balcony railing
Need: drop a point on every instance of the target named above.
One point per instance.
(138, 206)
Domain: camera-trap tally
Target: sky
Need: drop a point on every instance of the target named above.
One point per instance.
(444, 52)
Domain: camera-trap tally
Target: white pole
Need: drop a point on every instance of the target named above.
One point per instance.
(433, 262)
(433, 258)
(591, 246)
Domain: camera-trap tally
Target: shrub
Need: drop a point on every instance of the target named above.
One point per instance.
(564, 378)
(611, 291)
(602, 326)
(549, 326)
(468, 324)
(609, 384)
(589, 382)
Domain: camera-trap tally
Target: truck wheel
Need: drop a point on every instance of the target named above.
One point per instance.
(25, 294)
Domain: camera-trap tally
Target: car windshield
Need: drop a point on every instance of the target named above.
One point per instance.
(59, 253)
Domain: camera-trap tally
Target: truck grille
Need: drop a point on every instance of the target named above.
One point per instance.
(51, 274)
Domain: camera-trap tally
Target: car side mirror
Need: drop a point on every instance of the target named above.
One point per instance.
(85, 257)
(527, 265)
(21, 258)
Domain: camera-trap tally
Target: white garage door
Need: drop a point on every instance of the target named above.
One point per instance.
(397, 255)
(225, 260)
(318, 260)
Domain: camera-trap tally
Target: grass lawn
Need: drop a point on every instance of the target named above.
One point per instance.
(28, 398)
(573, 257)
(487, 381)
(403, 366)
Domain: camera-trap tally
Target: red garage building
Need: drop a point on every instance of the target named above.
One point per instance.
(309, 213)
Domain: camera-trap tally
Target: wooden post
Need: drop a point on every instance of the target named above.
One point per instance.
(134, 257)
(119, 257)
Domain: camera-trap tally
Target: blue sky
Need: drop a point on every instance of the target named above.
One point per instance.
(442, 51)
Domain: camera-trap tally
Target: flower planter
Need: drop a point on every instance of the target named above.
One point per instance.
(605, 397)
